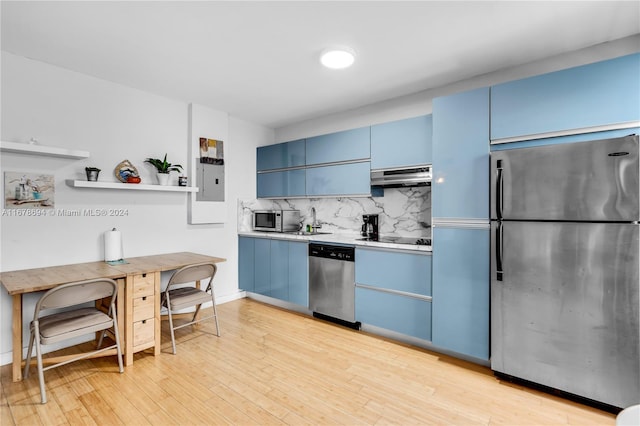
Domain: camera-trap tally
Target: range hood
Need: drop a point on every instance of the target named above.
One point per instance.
(401, 177)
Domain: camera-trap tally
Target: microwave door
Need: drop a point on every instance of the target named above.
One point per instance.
(264, 220)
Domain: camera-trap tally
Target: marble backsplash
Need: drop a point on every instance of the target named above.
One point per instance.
(402, 211)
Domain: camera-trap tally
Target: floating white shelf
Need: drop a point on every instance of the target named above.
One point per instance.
(129, 186)
(47, 151)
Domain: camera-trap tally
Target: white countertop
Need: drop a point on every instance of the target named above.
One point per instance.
(340, 238)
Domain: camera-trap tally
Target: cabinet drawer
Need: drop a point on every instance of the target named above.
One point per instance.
(143, 285)
(406, 272)
(143, 332)
(143, 308)
(407, 315)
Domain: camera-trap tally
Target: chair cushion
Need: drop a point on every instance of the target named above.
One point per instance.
(76, 322)
(185, 297)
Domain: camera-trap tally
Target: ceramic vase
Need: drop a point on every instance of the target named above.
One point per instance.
(163, 178)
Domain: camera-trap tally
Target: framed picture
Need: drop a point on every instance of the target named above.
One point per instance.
(211, 148)
(28, 191)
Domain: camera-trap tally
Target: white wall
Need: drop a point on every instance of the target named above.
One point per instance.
(112, 122)
(420, 103)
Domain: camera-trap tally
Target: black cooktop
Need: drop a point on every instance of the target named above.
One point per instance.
(401, 240)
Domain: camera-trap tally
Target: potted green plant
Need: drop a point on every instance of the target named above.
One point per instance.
(163, 168)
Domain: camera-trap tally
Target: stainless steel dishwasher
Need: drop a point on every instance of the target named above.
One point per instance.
(332, 283)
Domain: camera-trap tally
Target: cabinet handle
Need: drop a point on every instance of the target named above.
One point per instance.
(144, 298)
(144, 275)
(144, 321)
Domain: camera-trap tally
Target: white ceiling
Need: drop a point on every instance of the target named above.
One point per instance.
(259, 60)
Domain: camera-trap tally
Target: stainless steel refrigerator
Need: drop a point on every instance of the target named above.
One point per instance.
(565, 267)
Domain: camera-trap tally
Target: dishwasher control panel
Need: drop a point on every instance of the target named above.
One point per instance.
(343, 253)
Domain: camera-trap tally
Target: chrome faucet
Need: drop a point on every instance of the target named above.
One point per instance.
(314, 225)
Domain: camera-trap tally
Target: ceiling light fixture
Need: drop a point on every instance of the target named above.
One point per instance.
(338, 58)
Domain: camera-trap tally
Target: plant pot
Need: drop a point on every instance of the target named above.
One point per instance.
(163, 178)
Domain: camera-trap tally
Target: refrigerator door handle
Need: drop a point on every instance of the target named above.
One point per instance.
(499, 188)
(499, 272)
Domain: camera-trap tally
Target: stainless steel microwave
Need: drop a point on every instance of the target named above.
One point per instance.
(276, 220)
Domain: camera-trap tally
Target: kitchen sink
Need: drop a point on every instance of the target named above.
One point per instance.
(308, 233)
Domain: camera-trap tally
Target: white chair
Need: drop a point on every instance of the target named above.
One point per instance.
(56, 327)
(176, 298)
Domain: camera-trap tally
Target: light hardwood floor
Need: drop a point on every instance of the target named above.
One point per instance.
(272, 366)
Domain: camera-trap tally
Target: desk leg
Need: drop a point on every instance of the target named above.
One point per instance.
(16, 330)
(157, 323)
(128, 321)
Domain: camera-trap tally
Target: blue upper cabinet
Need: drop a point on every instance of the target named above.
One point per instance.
(285, 183)
(280, 156)
(401, 143)
(339, 179)
(340, 146)
(571, 101)
(460, 187)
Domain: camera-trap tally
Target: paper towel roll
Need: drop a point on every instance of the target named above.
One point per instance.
(112, 245)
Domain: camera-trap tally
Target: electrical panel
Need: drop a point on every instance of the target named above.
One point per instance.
(210, 180)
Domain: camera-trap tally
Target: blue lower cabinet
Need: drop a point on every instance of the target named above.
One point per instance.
(246, 264)
(393, 291)
(403, 314)
(286, 183)
(280, 269)
(461, 290)
(298, 273)
(340, 179)
(394, 270)
(274, 268)
(262, 268)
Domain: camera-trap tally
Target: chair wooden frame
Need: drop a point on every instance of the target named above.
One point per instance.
(82, 320)
(176, 298)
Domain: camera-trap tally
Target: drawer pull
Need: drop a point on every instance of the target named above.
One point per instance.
(144, 275)
(144, 298)
(144, 321)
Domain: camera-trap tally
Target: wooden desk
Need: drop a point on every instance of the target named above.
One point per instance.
(25, 281)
